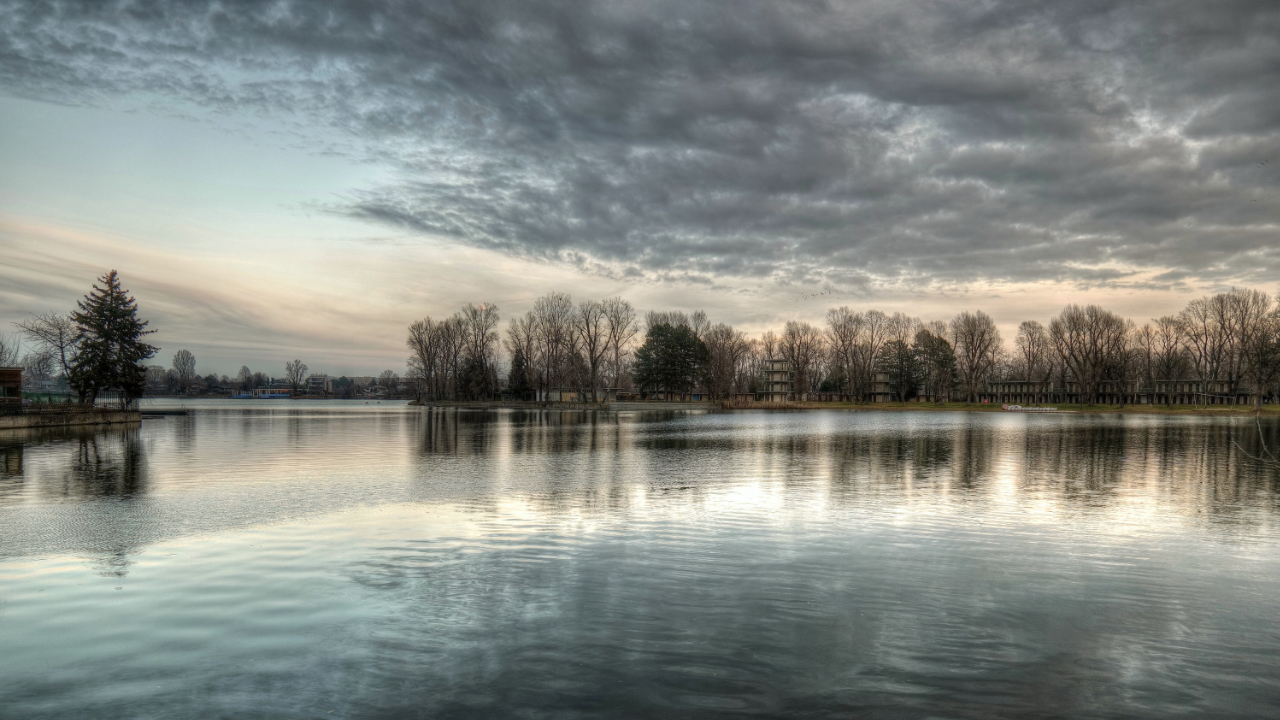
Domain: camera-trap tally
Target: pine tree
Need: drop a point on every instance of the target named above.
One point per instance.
(518, 379)
(672, 359)
(111, 349)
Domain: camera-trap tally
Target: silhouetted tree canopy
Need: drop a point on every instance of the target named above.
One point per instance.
(518, 378)
(672, 359)
(109, 337)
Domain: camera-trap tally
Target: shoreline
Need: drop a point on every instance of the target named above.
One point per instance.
(797, 406)
(1203, 410)
(1197, 410)
(27, 421)
(1209, 410)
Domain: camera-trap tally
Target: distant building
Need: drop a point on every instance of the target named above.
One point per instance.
(319, 384)
(777, 381)
(1110, 392)
(558, 395)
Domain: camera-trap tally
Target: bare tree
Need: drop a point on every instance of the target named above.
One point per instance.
(1034, 356)
(1171, 360)
(1145, 351)
(699, 323)
(436, 349)
(1033, 349)
(479, 327)
(769, 344)
(1090, 341)
(801, 345)
(184, 364)
(522, 338)
(1248, 317)
(244, 378)
(557, 340)
(10, 349)
(295, 371)
(1121, 367)
(844, 328)
(591, 325)
(872, 335)
(749, 369)
(37, 367)
(56, 333)
(1265, 363)
(453, 346)
(977, 349)
(388, 380)
(901, 328)
(623, 328)
(728, 350)
(674, 318)
(157, 379)
(1205, 340)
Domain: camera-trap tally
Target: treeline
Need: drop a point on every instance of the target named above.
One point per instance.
(593, 345)
(1228, 344)
(557, 344)
(182, 379)
(1224, 346)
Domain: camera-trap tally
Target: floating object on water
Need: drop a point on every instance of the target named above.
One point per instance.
(1019, 408)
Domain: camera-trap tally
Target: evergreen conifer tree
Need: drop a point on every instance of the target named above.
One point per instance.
(111, 349)
(672, 359)
(518, 379)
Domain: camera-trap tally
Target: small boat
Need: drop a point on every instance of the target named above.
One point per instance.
(1019, 408)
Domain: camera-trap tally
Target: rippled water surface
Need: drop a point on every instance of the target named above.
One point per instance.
(312, 560)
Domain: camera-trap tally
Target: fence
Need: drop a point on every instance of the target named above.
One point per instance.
(57, 408)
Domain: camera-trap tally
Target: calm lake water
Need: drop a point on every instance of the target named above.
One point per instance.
(340, 560)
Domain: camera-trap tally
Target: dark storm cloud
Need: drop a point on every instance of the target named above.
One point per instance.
(804, 141)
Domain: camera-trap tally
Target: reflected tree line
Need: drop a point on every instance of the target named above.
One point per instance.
(1192, 463)
(76, 463)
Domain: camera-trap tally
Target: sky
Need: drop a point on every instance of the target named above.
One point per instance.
(304, 179)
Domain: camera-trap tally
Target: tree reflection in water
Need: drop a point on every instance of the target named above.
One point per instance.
(1085, 460)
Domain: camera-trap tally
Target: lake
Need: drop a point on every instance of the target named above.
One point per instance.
(288, 559)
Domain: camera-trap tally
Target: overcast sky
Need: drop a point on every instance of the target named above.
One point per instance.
(303, 179)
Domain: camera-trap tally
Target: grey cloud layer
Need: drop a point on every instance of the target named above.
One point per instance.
(918, 142)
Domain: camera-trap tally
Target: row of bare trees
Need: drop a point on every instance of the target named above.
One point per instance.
(1227, 346)
(560, 344)
(847, 356)
(456, 357)
(589, 345)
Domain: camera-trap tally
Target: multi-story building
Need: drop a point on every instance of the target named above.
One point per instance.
(319, 384)
(777, 381)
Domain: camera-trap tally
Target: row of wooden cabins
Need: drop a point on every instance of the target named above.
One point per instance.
(778, 379)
